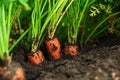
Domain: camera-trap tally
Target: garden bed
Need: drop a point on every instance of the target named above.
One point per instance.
(96, 61)
(59, 40)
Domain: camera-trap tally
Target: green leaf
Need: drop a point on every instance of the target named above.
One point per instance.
(24, 3)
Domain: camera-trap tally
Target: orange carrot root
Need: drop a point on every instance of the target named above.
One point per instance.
(53, 48)
(36, 58)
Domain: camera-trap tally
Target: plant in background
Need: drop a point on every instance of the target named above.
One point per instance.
(93, 11)
(114, 20)
(36, 56)
(52, 43)
(9, 70)
(75, 16)
(103, 22)
(98, 8)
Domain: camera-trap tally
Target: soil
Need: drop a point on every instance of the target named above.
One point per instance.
(98, 60)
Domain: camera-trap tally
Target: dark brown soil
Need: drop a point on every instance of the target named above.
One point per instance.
(96, 61)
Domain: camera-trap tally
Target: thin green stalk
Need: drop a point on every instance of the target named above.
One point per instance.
(2, 49)
(83, 30)
(37, 16)
(19, 25)
(52, 27)
(55, 8)
(9, 26)
(3, 28)
(62, 15)
(100, 31)
(80, 18)
(19, 39)
(9, 18)
(100, 25)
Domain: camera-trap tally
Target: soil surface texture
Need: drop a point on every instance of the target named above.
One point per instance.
(98, 60)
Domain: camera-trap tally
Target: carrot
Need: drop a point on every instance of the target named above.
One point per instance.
(36, 57)
(71, 50)
(12, 71)
(53, 48)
